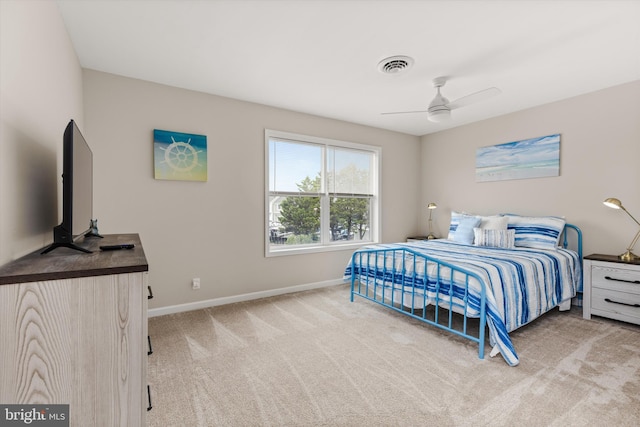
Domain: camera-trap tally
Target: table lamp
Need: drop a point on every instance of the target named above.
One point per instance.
(628, 255)
(431, 207)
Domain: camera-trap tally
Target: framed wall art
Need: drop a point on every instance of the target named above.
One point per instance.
(529, 158)
(179, 156)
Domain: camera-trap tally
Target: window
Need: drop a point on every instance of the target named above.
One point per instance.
(321, 194)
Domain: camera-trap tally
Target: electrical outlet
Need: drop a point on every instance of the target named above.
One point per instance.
(195, 283)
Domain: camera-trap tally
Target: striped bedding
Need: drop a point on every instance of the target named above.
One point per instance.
(522, 283)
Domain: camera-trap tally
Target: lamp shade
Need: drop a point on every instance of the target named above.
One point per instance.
(613, 203)
(432, 206)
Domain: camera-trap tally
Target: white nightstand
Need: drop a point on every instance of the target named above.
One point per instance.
(611, 288)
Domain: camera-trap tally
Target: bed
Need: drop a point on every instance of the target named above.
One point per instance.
(506, 281)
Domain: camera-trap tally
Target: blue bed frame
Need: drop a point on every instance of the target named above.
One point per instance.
(370, 288)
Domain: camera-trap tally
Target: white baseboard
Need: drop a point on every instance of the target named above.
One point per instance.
(179, 308)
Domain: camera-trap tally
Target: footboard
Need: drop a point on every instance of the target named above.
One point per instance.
(422, 287)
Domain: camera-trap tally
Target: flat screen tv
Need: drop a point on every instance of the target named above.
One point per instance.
(77, 191)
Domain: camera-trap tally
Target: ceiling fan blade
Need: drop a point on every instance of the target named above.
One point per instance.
(474, 97)
(404, 112)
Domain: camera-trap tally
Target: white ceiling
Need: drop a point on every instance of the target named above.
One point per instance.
(320, 57)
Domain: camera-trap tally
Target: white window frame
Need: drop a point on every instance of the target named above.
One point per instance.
(375, 231)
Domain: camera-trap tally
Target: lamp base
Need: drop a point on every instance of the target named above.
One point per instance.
(431, 236)
(629, 256)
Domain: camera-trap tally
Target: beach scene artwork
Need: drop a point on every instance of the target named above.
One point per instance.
(179, 156)
(529, 158)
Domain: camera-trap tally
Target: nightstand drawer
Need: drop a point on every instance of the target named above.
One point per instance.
(618, 279)
(605, 302)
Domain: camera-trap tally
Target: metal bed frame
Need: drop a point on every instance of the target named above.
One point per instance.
(373, 283)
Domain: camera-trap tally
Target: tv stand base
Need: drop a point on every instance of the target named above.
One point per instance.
(65, 245)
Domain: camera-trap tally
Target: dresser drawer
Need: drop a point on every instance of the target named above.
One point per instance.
(618, 305)
(618, 279)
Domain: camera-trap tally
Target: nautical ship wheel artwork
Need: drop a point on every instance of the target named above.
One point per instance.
(181, 156)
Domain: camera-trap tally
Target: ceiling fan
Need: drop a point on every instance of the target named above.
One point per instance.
(440, 108)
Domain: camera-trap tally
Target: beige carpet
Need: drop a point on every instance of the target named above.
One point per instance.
(315, 359)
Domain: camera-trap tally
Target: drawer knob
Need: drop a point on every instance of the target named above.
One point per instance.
(621, 303)
(622, 280)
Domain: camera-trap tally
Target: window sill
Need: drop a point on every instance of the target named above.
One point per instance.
(300, 250)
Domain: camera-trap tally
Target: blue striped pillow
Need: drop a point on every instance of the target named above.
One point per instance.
(542, 232)
(494, 238)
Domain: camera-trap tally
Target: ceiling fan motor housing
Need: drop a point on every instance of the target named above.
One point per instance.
(439, 110)
(439, 114)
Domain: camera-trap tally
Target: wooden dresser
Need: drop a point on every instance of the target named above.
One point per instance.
(73, 330)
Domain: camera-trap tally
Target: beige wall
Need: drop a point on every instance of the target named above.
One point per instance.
(599, 158)
(40, 90)
(215, 230)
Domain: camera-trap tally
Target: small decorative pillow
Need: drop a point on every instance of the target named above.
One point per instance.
(456, 216)
(494, 222)
(542, 232)
(494, 238)
(464, 231)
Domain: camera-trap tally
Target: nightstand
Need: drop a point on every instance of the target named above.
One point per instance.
(416, 238)
(611, 288)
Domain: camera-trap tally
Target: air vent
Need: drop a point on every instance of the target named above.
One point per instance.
(395, 64)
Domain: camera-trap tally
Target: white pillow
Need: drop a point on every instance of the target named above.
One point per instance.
(494, 222)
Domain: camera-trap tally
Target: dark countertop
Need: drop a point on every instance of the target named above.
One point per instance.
(610, 258)
(65, 263)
